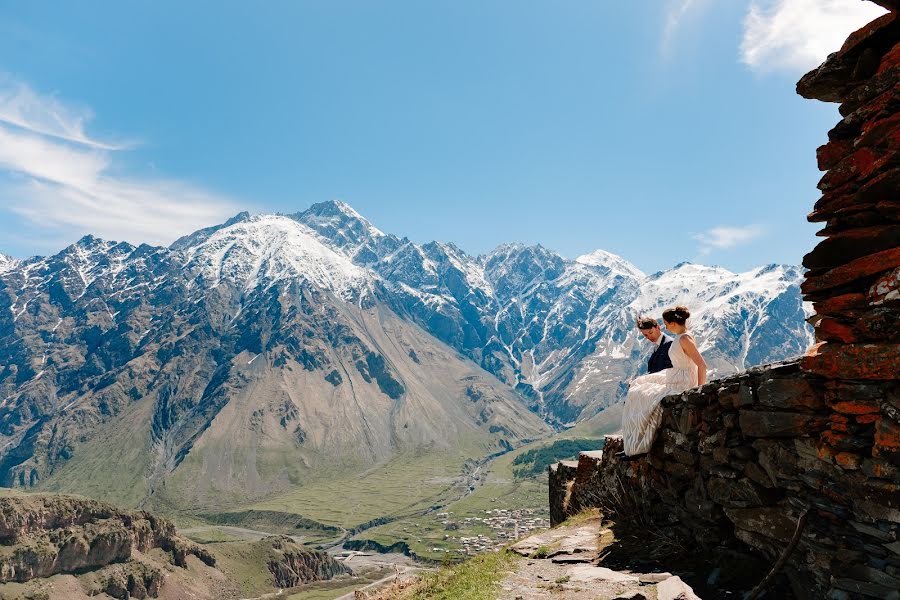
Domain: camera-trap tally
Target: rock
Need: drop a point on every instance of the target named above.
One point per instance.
(887, 441)
(740, 493)
(674, 588)
(588, 574)
(292, 565)
(129, 580)
(858, 268)
(563, 543)
(872, 325)
(632, 595)
(855, 361)
(561, 475)
(653, 577)
(757, 423)
(771, 522)
(839, 303)
(48, 534)
(790, 394)
(865, 588)
(886, 288)
(833, 80)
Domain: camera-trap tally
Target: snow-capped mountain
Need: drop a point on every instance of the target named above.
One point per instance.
(258, 252)
(318, 335)
(6, 262)
(562, 331)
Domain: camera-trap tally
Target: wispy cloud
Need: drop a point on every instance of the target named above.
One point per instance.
(797, 35)
(678, 12)
(724, 237)
(61, 178)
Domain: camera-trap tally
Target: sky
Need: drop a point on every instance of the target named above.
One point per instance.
(660, 130)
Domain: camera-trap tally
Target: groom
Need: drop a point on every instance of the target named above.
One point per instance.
(659, 360)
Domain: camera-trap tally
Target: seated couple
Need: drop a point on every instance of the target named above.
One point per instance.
(675, 366)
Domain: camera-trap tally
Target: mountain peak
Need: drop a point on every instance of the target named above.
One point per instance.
(336, 212)
(339, 226)
(7, 262)
(613, 262)
(201, 235)
(267, 248)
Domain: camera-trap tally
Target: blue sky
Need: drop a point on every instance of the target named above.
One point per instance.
(663, 131)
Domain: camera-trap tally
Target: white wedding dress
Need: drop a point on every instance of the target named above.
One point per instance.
(643, 412)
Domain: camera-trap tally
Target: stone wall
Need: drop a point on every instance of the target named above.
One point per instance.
(854, 272)
(738, 461)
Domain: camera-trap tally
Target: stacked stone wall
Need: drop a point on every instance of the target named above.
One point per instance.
(738, 462)
(854, 272)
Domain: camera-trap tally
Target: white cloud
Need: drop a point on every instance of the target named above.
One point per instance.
(63, 179)
(677, 14)
(23, 107)
(724, 237)
(797, 35)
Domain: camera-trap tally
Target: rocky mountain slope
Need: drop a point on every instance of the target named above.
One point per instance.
(252, 355)
(224, 372)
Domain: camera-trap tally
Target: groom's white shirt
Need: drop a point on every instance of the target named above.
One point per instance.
(662, 337)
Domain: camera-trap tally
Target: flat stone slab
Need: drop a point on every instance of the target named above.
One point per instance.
(674, 588)
(569, 559)
(654, 577)
(589, 574)
(595, 454)
(573, 541)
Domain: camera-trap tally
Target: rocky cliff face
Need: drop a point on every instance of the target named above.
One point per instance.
(292, 565)
(44, 535)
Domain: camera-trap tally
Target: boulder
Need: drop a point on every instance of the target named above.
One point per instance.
(674, 588)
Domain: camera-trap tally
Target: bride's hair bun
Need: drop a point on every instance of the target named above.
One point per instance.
(679, 314)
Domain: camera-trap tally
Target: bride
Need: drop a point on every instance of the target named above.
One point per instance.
(643, 412)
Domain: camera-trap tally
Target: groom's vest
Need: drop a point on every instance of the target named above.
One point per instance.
(660, 360)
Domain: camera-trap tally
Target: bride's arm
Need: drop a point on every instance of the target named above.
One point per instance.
(690, 348)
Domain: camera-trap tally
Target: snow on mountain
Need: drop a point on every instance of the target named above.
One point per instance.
(90, 270)
(613, 262)
(559, 331)
(562, 331)
(199, 236)
(739, 320)
(6, 262)
(342, 228)
(728, 307)
(261, 250)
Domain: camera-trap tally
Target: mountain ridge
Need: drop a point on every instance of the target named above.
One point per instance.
(249, 354)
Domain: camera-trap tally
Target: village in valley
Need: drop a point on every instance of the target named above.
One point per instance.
(504, 526)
